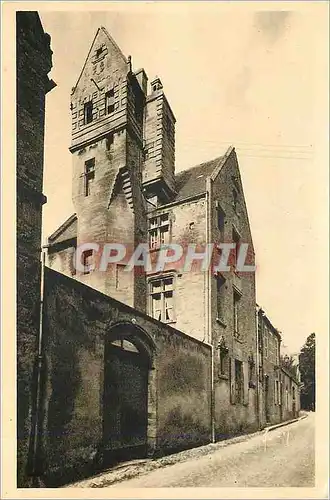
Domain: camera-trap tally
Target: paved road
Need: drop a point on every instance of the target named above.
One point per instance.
(282, 457)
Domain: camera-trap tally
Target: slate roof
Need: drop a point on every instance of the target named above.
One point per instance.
(192, 182)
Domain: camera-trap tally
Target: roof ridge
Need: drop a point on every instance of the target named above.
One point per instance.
(63, 226)
(199, 165)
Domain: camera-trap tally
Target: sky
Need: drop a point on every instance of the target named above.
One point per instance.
(256, 79)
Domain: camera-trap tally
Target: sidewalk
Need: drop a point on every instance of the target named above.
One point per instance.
(134, 468)
(287, 422)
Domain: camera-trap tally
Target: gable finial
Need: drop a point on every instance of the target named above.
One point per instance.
(129, 63)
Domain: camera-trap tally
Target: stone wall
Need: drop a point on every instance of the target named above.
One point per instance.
(233, 415)
(77, 321)
(290, 396)
(34, 61)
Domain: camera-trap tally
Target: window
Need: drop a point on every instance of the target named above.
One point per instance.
(223, 358)
(238, 381)
(123, 278)
(109, 142)
(277, 392)
(271, 347)
(236, 241)
(293, 393)
(89, 175)
(88, 112)
(99, 52)
(236, 313)
(223, 362)
(235, 200)
(286, 397)
(277, 357)
(161, 296)
(221, 220)
(126, 345)
(109, 102)
(220, 296)
(266, 343)
(159, 230)
(88, 261)
(251, 365)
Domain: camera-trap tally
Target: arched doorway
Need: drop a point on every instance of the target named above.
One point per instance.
(128, 361)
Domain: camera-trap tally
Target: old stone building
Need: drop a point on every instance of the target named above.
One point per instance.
(279, 388)
(290, 397)
(125, 190)
(134, 361)
(34, 62)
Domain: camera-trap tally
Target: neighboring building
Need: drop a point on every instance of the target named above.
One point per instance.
(290, 387)
(279, 388)
(125, 190)
(33, 63)
(269, 342)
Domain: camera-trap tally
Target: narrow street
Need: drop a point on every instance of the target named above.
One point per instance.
(283, 457)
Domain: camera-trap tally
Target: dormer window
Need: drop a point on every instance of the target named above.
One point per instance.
(88, 112)
(99, 51)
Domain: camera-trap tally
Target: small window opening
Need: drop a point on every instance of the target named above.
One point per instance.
(88, 261)
(88, 112)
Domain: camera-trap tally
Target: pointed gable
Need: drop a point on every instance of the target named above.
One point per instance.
(227, 189)
(105, 64)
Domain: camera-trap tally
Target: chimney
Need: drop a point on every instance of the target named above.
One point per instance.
(142, 79)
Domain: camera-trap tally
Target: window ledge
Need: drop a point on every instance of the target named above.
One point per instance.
(221, 322)
(223, 376)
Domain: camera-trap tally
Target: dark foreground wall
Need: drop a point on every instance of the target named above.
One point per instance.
(33, 63)
(78, 323)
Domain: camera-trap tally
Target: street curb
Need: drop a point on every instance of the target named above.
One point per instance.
(129, 471)
(282, 424)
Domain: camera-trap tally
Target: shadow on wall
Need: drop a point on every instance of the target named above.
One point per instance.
(184, 417)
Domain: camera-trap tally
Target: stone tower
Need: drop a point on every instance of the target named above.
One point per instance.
(123, 148)
(159, 136)
(107, 107)
(123, 155)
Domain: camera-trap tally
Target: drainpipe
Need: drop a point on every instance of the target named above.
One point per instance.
(257, 363)
(39, 367)
(208, 219)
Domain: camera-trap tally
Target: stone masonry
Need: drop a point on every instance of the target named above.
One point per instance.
(132, 194)
(34, 61)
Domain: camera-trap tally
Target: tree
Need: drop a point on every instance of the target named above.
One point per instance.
(307, 373)
(289, 363)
